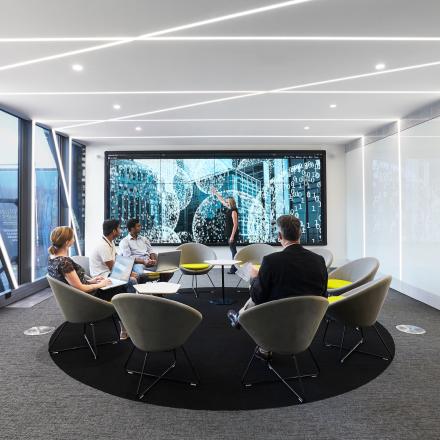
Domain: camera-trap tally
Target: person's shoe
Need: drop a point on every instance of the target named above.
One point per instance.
(233, 319)
(231, 272)
(263, 354)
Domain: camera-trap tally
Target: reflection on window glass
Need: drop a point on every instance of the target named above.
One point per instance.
(9, 186)
(46, 197)
(78, 192)
(4, 285)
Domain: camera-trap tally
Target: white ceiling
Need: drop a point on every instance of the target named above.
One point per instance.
(209, 73)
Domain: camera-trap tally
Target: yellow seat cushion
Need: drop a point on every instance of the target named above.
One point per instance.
(334, 283)
(332, 299)
(195, 266)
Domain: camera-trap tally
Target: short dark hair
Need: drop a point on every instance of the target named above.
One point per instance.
(109, 226)
(290, 227)
(132, 223)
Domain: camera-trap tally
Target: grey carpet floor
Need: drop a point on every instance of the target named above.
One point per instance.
(39, 401)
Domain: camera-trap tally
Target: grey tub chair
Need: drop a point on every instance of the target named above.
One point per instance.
(358, 309)
(325, 253)
(286, 326)
(147, 320)
(195, 253)
(84, 262)
(358, 272)
(254, 253)
(81, 308)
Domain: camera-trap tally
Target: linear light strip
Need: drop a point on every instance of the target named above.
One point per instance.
(364, 232)
(229, 120)
(34, 201)
(193, 25)
(223, 136)
(226, 92)
(8, 264)
(220, 38)
(247, 95)
(63, 180)
(399, 159)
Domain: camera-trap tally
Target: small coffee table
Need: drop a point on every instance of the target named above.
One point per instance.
(157, 288)
(221, 262)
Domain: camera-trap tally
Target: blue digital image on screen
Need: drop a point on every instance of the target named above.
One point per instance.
(173, 198)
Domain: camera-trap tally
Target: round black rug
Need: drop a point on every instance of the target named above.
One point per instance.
(220, 354)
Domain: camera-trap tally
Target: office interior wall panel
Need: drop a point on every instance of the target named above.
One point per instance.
(420, 150)
(382, 203)
(354, 212)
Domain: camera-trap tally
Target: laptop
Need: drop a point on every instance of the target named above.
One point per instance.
(166, 261)
(121, 271)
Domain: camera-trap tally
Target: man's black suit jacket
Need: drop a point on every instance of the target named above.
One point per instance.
(294, 271)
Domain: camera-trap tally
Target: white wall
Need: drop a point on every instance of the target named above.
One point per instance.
(95, 193)
(401, 174)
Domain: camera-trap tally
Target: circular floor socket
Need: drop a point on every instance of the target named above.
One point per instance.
(412, 329)
(40, 330)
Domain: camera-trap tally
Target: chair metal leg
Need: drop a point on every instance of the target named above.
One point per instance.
(194, 371)
(93, 346)
(172, 365)
(95, 354)
(128, 360)
(271, 368)
(181, 275)
(325, 333)
(360, 342)
(342, 343)
(239, 281)
(299, 374)
(115, 326)
(213, 285)
(315, 362)
(142, 373)
(196, 293)
(60, 330)
(243, 376)
(383, 342)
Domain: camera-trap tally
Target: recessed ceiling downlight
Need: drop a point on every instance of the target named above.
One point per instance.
(380, 66)
(77, 67)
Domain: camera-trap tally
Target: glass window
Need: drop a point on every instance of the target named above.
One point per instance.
(46, 197)
(9, 187)
(78, 192)
(4, 284)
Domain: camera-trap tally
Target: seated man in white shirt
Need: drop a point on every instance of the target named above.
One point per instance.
(103, 257)
(139, 247)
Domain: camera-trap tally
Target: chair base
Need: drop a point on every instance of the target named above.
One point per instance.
(91, 345)
(194, 286)
(284, 380)
(158, 377)
(355, 349)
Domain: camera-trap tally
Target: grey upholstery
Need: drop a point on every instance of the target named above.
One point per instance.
(358, 271)
(154, 323)
(77, 306)
(285, 326)
(325, 253)
(288, 327)
(80, 308)
(157, 324)
(361, 306)
(84, 262)
(254, 253)
(193, 253)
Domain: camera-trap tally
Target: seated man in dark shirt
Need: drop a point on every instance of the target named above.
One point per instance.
(294, 271)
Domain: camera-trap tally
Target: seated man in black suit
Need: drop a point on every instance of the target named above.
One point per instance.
(294, 271)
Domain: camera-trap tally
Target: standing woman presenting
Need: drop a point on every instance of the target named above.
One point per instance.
(231, 226)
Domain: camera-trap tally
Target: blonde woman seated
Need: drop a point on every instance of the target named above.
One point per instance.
(64, 269)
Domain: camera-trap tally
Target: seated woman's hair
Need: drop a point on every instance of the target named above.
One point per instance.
(59, 237)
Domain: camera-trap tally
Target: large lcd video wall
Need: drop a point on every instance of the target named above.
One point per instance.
(172, 194)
